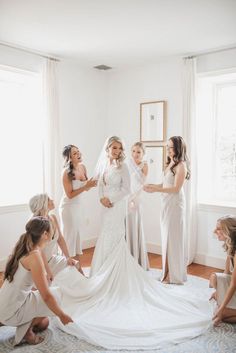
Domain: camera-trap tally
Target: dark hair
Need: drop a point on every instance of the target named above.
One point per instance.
(34, 229)
(180, 154)
(66, 153)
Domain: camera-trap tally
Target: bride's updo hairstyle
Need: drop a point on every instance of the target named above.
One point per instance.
(110, 141)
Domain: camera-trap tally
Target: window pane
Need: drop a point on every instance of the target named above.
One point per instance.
(21, 136)
(216, 135)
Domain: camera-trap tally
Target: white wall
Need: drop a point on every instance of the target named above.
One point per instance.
(127, 89)
(96, 104)
(82, 97)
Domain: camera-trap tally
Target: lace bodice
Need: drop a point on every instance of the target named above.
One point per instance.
(115, 183)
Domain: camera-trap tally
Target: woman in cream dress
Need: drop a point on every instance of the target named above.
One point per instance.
(134, 225)
(173, 211)
(225, 283)
(41, 205)
(75, 182)
(20, 305)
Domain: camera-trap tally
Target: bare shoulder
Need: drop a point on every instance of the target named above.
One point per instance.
(181, 167)
(34, 258)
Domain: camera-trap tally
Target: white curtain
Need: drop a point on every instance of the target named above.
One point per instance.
(189, 129)
(52, 141)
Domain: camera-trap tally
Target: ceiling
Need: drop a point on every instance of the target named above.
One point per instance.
(118, 33)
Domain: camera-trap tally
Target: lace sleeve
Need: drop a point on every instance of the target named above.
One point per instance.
(125, 185)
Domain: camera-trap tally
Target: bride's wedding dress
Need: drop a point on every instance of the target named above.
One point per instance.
(121, 306)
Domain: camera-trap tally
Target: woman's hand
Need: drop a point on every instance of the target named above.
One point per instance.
(213, 296)
(91, 183)
(65, 319)
(151, 188)
(71, 262)
(106, 202)
(217, 318)
(49, 276)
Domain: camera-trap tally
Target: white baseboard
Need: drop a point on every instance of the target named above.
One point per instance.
(89, 243)
(154, 248)
(211, 261)
(201, 259)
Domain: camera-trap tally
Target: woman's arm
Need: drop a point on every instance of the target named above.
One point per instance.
(61, 241)
(47, 268)
(36, 266)
(180, 174)
(227, 265)
(228, 296)
(125, 185)
(67, 185)
(145, 169)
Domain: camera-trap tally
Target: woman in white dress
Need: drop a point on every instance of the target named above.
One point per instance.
(225, 283)
(121, 306)
(173, 211)
(21, 306)
(135, 238)
(114, 187)
(75, 182)
(42, 205)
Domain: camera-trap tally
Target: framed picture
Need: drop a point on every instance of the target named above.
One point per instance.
(153, 121)
(156, 158)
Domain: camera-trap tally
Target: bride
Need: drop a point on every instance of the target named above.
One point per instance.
(121, 306)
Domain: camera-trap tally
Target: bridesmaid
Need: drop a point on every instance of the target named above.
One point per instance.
(173, 211)
(75, 182)
(134, 226)
(225, 283)
(41, 205)
(20, 305)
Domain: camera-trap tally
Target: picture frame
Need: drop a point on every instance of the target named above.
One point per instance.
(153, 121)
(156, 159)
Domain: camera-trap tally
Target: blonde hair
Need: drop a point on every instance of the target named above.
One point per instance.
(110, 141)
(39, 204)
(228, 224)
(140, 145)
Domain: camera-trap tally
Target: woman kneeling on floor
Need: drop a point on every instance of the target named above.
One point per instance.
(225, 283)
(20, 305)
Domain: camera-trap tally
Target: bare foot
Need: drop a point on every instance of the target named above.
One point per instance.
(32, 338)
(41, 326)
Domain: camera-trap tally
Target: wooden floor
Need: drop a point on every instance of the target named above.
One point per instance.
(155, 262)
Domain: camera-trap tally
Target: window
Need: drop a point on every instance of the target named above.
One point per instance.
(21, 136)
(216, 136)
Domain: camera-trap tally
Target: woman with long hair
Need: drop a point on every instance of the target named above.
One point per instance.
(173, 211)
(75, 182)
(42, 205)
(114, 187)
(20, 305)
(225, 283)
(135, 238)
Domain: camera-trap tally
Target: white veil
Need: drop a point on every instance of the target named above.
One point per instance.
(103, 159)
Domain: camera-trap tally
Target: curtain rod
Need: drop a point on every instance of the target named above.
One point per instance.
(209, 52)
(30, 51)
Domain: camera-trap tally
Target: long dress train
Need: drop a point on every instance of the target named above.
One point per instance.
(121, 306)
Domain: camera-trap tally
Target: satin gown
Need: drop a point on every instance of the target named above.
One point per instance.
(135, 237)
(172, 231)
(121, 306)
(72, 219)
